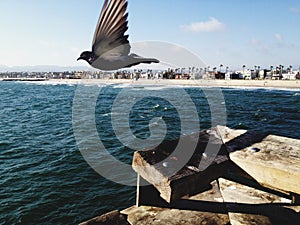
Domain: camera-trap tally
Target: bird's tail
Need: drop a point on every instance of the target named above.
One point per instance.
(138, 59)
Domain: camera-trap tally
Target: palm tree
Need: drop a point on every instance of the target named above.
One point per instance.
(201, 69)
(244, 66)
(271, 68)
(258, 72)
(281, 71)
(183, 70)
(208, 72)
(214, 72)
(221, 66)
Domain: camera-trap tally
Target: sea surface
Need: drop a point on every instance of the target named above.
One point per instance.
(44, 178)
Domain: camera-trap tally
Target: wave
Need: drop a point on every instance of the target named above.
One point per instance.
(250, 88)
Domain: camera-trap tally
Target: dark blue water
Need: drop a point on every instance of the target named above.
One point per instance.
(44, 179)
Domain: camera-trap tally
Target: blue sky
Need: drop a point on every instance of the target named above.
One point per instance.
(228, 32)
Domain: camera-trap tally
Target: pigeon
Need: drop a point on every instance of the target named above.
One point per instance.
(110, 47)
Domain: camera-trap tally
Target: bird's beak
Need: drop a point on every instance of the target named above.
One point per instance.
(79, 58)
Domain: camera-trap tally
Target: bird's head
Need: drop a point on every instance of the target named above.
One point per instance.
(87, 56)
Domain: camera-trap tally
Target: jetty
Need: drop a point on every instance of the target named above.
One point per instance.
(232, 177)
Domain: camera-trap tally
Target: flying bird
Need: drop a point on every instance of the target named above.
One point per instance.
(110, 47)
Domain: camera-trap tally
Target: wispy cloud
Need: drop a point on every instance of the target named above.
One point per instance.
(47, 43)
(260, 46)
(295, 9)
(255, 42)
(268, 47)
(282, 43)
(278, 37)
(205, 26)
(74, 50)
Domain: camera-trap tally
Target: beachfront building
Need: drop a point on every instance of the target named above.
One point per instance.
(245, 74)
(210, 73)
(261, 74)
(290, 75)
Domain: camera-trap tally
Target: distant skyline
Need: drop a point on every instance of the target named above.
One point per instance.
(228, 32)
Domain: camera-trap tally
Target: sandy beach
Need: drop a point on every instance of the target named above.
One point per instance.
(280, 84)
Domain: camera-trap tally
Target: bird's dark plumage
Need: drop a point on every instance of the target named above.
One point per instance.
(110, 47)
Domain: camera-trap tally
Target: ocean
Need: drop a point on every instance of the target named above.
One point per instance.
(44, 175)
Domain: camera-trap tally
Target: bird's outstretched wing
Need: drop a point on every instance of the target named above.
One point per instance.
(109, 37)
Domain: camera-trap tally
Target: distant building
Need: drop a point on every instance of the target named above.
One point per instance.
(290, 75)
(220, 75)
(236, 75)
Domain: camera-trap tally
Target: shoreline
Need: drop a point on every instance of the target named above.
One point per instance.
(293, 84)
(280, 84)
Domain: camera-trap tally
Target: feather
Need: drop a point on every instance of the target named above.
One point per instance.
(111, 28)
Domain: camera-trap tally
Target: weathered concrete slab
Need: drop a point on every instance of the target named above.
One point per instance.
(271, 160)
(265, 160)
(174, 173)
(145, 215)
(251, 206)
(204, 208)
(112, 218)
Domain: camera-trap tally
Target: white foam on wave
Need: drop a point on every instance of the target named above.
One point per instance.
(50, 82)
(112, 114)
(142, 87)
(155, 87)
(156, 106)
(122, 85)
(40, 83)
(262, 88)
